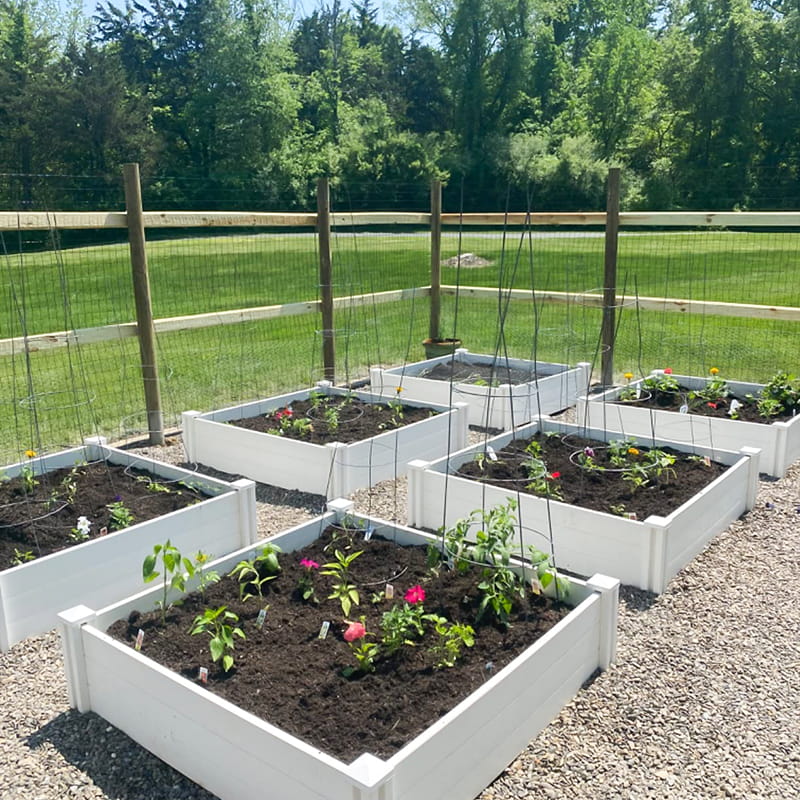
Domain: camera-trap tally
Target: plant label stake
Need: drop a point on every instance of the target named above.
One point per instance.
(536, 586)
(139, 640)
(735, 406)
(684, 409)
(368, 533)
(323, 630)
(103, 530)
(707, 461)
(203, 674)
(388, 592)
(491, 453)
(631, 515)
(262, 615)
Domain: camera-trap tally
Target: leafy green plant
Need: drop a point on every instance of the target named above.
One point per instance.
(343, 590)
(175, 570)
(153, 486)
(399, 624)
(364, 652)
(546, 573)
(205, 577)
(257, 572)
(453, 638)
(217, 623)
(29, 482)
(305, 583)
(22, 557)
(121, 516)
(780, 395)
(662, 383)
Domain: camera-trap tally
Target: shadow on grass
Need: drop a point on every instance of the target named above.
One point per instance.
(122, 769)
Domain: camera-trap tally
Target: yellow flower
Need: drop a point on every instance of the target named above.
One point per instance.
(633, 451)
(628, 376)
(714, 371)
(399, 389)
(30, 454)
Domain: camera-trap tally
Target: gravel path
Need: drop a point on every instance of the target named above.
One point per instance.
(704, 700)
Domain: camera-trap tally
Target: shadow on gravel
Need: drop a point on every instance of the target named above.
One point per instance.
(113, 761)
(265, 493)
(636, 600)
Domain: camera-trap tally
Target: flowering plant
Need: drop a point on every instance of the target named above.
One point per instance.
(305, 583)
(80, 533)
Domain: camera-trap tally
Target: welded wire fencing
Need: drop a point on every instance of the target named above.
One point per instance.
(237, 314)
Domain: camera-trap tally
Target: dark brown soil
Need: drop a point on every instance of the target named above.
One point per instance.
(287, 675)
(671, 401)
(354, 420)
(486, 374)
(41, 521)
(594, 489)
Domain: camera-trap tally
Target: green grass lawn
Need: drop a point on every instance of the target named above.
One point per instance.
(65, 394)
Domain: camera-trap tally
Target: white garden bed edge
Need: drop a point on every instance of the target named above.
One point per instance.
(556, 387)
(778, 441)
(105, 569)
(235, 755)
(332, 470)
(642, 553)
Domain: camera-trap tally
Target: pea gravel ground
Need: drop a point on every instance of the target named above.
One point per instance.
(703, 702)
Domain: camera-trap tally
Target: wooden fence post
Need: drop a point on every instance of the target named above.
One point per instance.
(325, 274)
(144, 309)
(607, 330)
(436, 260)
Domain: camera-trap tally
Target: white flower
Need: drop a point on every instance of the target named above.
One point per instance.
(84, 525)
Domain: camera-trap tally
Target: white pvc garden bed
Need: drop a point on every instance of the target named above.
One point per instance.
(779, 442)
(555, 387)
(333, 470)
(108, 568)
(646, 553)
(237, 756)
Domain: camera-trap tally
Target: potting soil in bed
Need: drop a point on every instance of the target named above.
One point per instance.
(40, 520)
(286, 674)
(599, 490)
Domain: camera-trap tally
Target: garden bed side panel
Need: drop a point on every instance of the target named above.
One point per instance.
(503, 406)
(779, 442)
(105, 569)
(332, 470)
(196, 732)
(645, 554)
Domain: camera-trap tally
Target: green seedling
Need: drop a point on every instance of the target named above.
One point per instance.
(175, 569)
(216, 623)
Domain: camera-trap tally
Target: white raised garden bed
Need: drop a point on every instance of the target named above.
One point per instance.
(778, 441)
(334, 469)
(555, 387)
(643, 553)
(108, 568)
(237, 756)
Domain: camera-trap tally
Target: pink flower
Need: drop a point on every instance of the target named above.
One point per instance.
(416, 594)
(711, 405)
(308, 563)
(668, 370)
(355, 630)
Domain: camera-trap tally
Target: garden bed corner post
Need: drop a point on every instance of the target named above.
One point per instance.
(146, 334)
(70, 623)
(609, 612)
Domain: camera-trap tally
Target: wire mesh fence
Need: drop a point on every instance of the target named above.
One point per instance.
(70, 365)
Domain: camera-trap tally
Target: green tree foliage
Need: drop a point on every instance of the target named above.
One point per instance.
(234, 103)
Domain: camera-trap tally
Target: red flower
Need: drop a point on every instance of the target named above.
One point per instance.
(416, 594)
(711, 405)
(553, 476)
(286, 412)
(355, 630)
(668, 371)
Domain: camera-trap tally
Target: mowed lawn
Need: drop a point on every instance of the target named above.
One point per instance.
(56, 397)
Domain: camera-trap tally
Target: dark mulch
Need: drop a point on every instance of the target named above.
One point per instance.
(595, 490)
(40, 521)
(491, 374)
(287, 675)
(356, 420)
(672, 401)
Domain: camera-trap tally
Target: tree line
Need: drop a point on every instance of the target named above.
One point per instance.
(524, 103)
